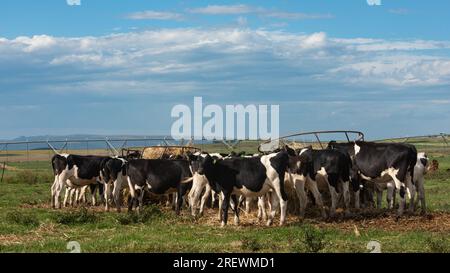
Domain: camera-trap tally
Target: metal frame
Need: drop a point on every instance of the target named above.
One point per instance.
(316, 134)
(107, 141)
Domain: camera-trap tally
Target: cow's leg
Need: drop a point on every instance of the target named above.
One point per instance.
(221, 198)
(225, 204)
(205, 197)
(60, 186)
(77, 195)
(116, 193)
(334, 198)
(379, 197)
(273, 208)
(282, 198)
(180, 196)
(299, 185)
(141, 199)
(53, 190)
(213, 198)
(346, 193)
(66, 196)
(72, 196)
(107, 195)
(248, 202)
(400, 186)
(83, 194)
(312, 186)
(357, 199)
(390, 195)
(236, 209)
(421, 193)
(262, 208)
(412, 194)
(93, 189)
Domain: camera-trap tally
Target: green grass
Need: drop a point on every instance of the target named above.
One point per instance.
(27, 224)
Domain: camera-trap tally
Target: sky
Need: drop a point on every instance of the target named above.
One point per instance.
(118, 67)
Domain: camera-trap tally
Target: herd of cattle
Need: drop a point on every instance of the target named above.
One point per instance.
(354, 171)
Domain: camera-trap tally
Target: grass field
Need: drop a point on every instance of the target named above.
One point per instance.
(27, 224)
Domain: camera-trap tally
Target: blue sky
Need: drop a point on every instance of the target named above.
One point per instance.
(118, 67)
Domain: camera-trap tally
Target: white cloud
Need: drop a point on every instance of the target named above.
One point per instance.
(34, 43)
(155, 15)
(295, 15)
(210, 60)
(246, 9)
(223, 9)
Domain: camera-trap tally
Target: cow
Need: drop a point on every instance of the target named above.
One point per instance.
(74, 171)
(330, 165)
(381, 162)
(417, 186)
(250, 177)
(113, 173)
(159, 176)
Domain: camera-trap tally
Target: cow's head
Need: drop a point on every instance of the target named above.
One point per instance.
(111, 168)
(293, 163)
(423, 159)
(59, 163)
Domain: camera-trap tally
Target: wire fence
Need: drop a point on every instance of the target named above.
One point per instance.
(43, 150)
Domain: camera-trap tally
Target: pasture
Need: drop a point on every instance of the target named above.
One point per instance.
(28, 224)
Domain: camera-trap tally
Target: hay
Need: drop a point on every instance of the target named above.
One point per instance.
(162, 152)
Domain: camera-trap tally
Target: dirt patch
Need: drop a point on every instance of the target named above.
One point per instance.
(368, 220)
(384, 220)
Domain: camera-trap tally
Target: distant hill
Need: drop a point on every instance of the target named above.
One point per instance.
(142, 142)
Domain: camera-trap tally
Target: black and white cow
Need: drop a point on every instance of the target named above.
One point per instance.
(250, 177)
(416, 187)
(330, 165)
(381, 162)
(113, 172)
(74, 171)
(159, 176)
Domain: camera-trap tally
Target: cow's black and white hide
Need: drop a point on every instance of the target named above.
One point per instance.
(158, 176)
(250, 177)
(413, 188)
(74, 171)
(331, 166)
(381, 163)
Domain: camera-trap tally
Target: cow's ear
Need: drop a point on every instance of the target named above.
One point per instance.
(289, 150)
(191, 156)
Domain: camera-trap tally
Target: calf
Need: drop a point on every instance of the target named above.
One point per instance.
(74, 171)
(250, 177)
(159, 176)
(113, 173)
(330, 165)
(382, 162)
(417, 186)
